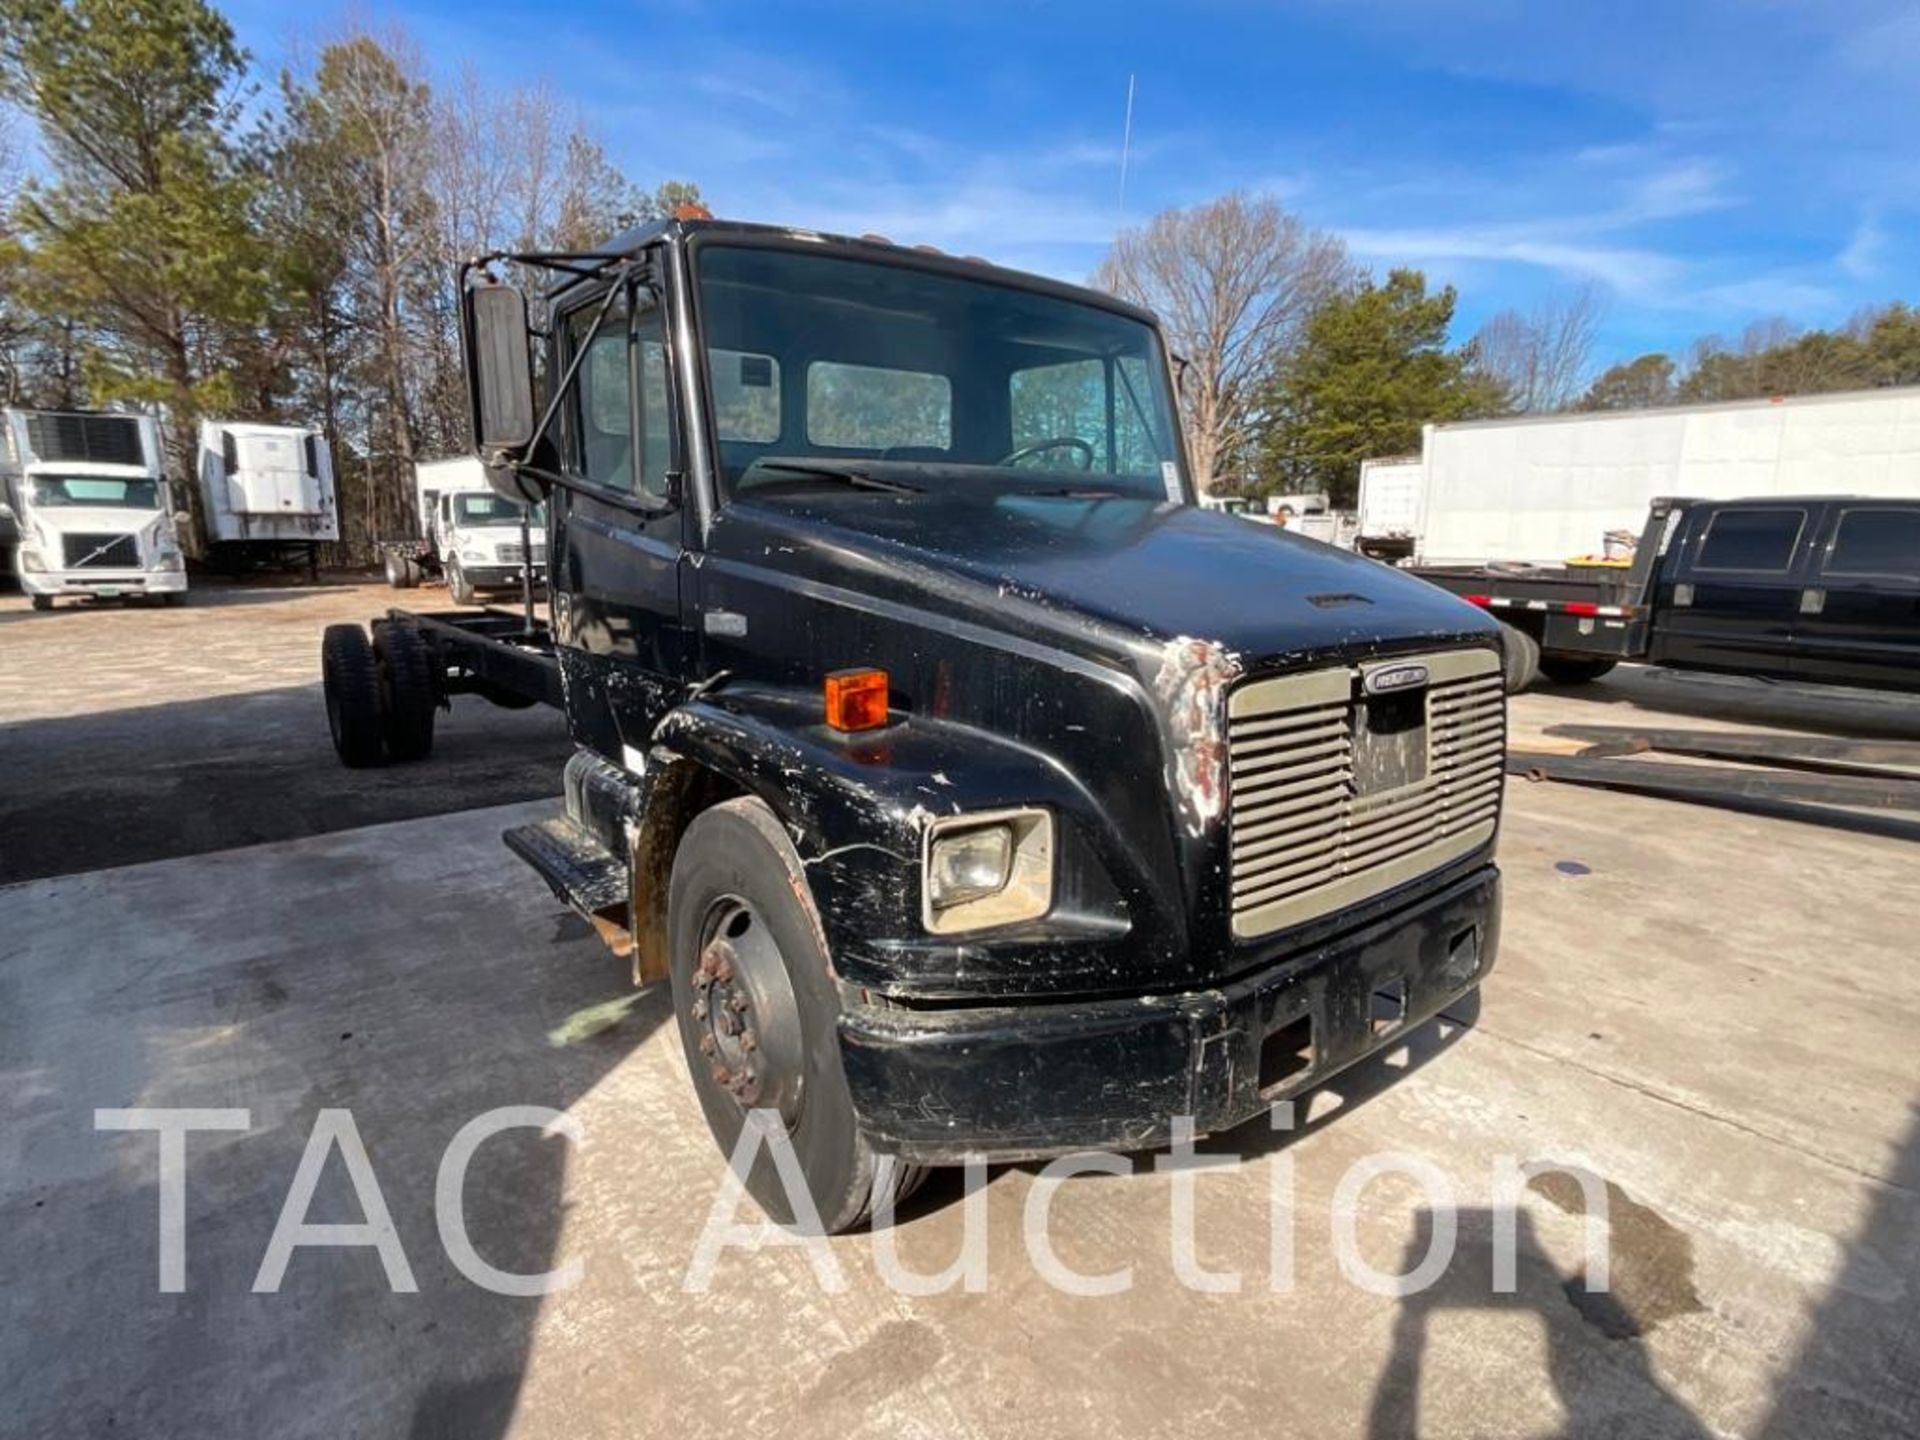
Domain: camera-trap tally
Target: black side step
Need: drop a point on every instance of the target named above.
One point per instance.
(582, 871)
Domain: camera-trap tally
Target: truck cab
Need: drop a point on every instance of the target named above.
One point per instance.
(974, 790)
(90, 507)
(478, 538)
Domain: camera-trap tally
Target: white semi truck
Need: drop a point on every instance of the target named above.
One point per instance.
(267, 494)
(469, 534)
(1549, 489)
(90, 506)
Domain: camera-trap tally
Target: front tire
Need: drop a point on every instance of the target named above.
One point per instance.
(42, 602)
(457, 584)
(350, 675)
(757, 1012)
(1566, 670)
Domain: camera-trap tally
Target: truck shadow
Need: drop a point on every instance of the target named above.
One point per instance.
(150, 782)
(1596, 1356)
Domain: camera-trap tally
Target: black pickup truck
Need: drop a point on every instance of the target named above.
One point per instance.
(975, 790)
(1824, 589)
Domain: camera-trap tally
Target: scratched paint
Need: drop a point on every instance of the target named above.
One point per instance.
(1192, 686)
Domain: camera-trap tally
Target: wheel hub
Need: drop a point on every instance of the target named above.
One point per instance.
(744, 1012)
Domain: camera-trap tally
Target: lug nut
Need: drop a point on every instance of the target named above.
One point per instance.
(749, 1040)
(699, 1009)
(707, 1047)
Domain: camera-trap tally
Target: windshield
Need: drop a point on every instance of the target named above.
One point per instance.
(53, 491)
(487, 509)
(822, 364)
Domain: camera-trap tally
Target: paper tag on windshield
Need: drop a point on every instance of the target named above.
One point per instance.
(1170, 477)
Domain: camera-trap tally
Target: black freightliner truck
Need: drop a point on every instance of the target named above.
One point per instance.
(975, 791)
(1823, 589)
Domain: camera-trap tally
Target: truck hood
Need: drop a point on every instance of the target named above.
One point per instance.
(1138, 570)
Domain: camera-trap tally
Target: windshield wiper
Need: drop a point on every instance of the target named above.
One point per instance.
(859, 480)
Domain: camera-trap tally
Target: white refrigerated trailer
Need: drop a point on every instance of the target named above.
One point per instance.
(1548, 489)
(267, 493)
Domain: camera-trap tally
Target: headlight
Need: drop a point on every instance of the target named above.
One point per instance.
(474, 557)
(31, 563)
(171, 561)
(984, 870)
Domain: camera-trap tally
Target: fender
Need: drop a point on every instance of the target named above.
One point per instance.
(858, 807)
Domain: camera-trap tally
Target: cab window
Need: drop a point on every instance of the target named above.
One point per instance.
(1761, 541)
(601, 413)
(1883, 542)
(870, 407)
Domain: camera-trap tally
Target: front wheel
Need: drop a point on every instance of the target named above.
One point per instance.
(1567, 670)
(43, 602)
(458, 586)
(757, 1012)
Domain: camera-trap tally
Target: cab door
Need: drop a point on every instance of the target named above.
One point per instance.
(1859, 618)
(1734, 597)
(617, 555)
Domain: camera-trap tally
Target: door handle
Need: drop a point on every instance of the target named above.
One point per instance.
(1812, 602)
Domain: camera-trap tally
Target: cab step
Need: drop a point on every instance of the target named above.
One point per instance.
(580, 870)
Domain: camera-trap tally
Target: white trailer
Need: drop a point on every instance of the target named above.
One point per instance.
(1547, 490)
(1392, 497)
(267, 493)
(90, 509)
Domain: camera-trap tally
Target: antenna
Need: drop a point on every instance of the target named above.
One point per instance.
(1126, 149)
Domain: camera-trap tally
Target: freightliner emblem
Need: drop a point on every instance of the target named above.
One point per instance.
(1393, 678)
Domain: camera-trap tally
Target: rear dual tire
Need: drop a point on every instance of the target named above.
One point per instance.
(403, 571)
(380, 693)
(1520, 658)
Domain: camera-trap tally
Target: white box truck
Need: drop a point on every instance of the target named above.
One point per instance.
(267, 494)
(1549, 489)
(470, 534)
(90, 506)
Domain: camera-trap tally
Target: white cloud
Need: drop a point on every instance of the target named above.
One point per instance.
(1864, 257)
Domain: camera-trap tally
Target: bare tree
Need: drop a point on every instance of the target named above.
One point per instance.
(1542, 358)
(1233, 281)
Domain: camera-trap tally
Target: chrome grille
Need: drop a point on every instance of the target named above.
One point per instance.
(1304, 841)
(512, 554)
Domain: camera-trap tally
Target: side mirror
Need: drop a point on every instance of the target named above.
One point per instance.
(499, 360)
(509, 484)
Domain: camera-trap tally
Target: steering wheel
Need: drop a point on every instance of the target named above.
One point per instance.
(1058, 442)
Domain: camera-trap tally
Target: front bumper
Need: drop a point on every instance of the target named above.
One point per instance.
(103, 582)
(499, 577)
(1028, 1080)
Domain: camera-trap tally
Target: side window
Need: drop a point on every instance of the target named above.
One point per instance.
(866, 407)
(602, 428)
(604, 447)
(1753, 540)
(1067, 401)
(1879, 542)
(746, 396)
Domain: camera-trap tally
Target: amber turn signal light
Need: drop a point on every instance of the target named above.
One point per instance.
(857, 700)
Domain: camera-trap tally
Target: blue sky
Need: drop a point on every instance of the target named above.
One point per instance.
(1707, 162)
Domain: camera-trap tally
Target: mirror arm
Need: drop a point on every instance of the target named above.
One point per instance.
(573, 367)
